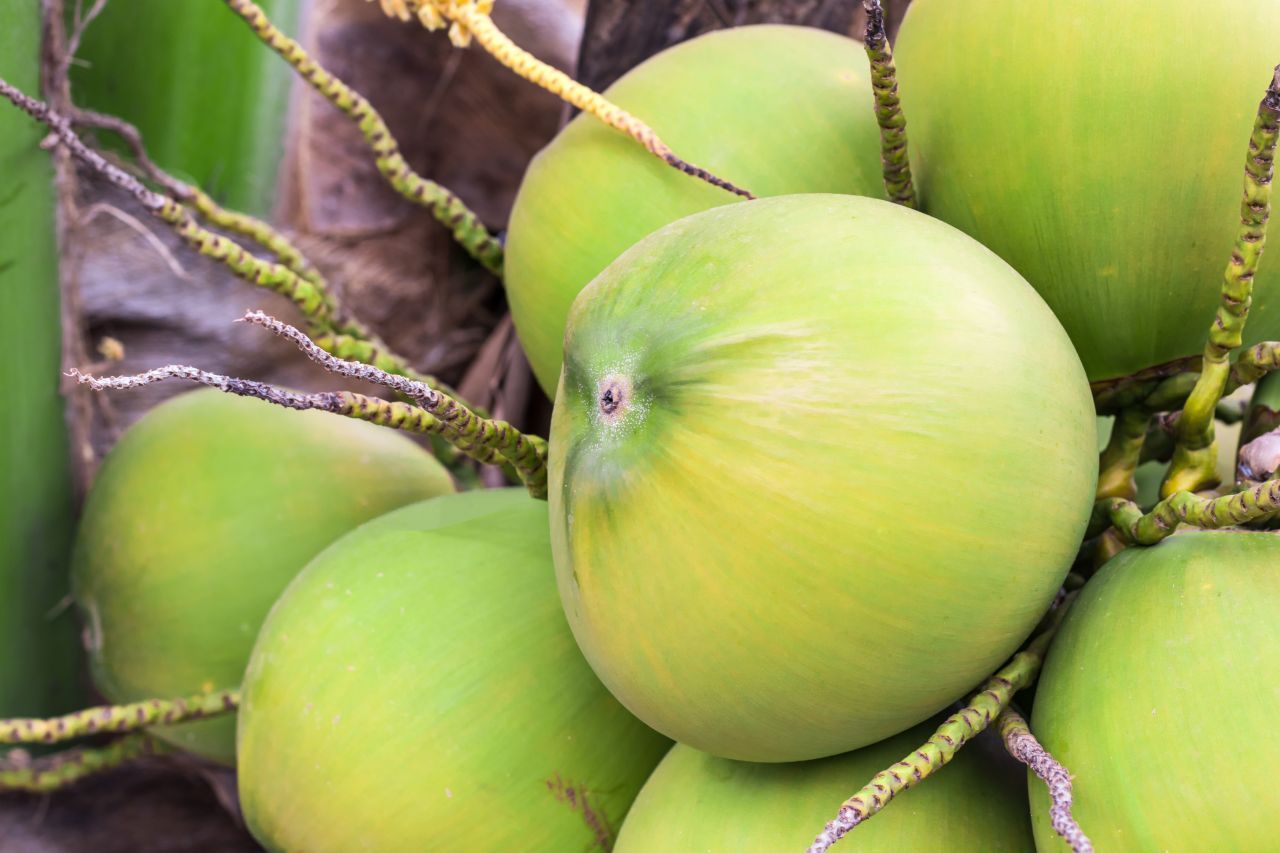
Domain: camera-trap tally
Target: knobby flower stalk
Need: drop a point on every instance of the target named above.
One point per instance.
(316, 304)
(1120, 458)
(433, 412)
(201, 202)
(325, 316)
(20, 772)
(446, 207)
(1209, 513)
(119, 718)
(1195, 453)
(469, 19)
(991, 699)
(1024, 746)
(893, 124)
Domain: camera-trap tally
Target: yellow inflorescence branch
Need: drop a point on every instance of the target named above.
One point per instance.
(469, 19)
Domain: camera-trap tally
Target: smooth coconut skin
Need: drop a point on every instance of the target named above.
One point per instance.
(1097, 146)
(775, 109)
(1159, 695)
(417, 688)
(200, 516)
(849, 460)
(696, 802)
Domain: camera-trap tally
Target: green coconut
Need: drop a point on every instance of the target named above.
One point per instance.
(696, 802)
(1098, 147)
(200, 517)
(1159, 696)
(417, 688)
(775, 109)
(818, 465)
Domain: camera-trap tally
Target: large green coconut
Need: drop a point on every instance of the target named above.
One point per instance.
(417, 688)
(1160, 693)
(696, 802)
(200, 517)
(1097, 146)
(775, 109)
(818, 465)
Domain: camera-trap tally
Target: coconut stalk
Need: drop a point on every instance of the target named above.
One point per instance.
(39, 669)
(1195, 454)
(980, 711)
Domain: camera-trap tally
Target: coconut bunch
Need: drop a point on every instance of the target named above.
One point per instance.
(867, 437)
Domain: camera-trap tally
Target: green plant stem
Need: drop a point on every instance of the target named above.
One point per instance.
(1209, 513)
(446, 207)
(434, 413)
(465, 429)
(315, 303)
(1024, 746)
(42, 775)
(1195, 453)
(893, 124)
(992, 698)
(241, 224)
(1120, 458)
(119, 718)
(324, 314)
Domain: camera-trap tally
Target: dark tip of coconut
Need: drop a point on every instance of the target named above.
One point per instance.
(613, 395)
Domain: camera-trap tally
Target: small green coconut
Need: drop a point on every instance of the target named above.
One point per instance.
(1159, 695)
(417, 688)
(200, 516)
(696, 802)
(775, 109)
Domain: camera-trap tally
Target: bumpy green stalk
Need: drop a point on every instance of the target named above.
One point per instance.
(1241, 507)
(1022, 745)
(1195, 454)
(983, 707)
(57, 771)
(229, 220)
(355, 343)
(487, 441)
(324, 314)
(119, 718)
(893, 124)
(1120, 458)
(464, 428)
(446, 207)
(374, 352)
(316, 304)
